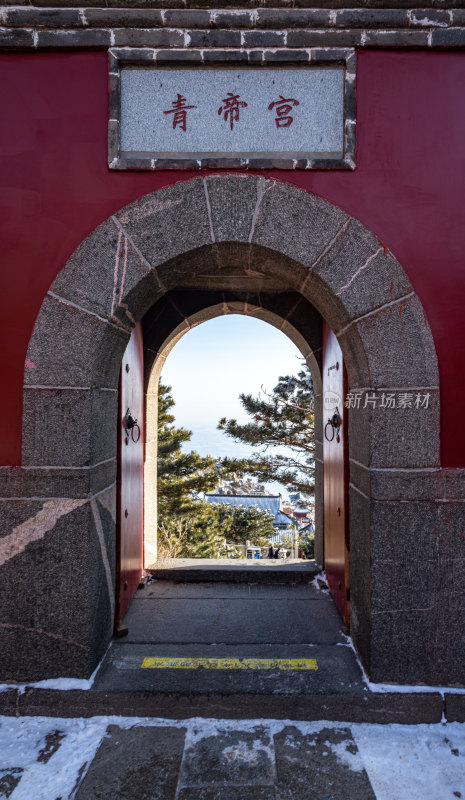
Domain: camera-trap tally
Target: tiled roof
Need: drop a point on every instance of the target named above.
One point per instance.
(263, 502)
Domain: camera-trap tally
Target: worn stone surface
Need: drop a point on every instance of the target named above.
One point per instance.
(123, 17)
(233, 201)
(64, 39)
(72, 348)
(399, 580)
(105, 271)
(303, 241)
(399, 345)
(246, 792)
(337, 672)
(324, 38)
(163, 227)
(401, 708)
(43, 18)
(360, 273)
(230, 621)
(101, 574)
(360, 575)
(47, 632)
(139, 762)
(408, 484)
(59, 482)
(227, 760)
(147, 37)
(395, 437)
(66, 427)
(455, 707)
(328, 761)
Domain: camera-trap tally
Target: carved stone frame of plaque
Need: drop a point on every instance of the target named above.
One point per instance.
(143, 156)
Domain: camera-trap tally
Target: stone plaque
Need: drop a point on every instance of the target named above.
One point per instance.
(195, 116)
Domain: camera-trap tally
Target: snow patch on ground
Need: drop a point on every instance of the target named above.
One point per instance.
(415, 762)
(418, 762)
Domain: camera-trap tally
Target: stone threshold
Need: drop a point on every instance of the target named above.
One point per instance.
(382, 708)
(243, 571)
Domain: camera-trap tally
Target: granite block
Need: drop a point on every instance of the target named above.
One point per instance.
(44, 629)
(455, 707)
(139, 762)
(70, 347)
(399, 345)
(279, 224)
(69, 427)
(313, 761)
(233, 200)
(49, 482)
(360, 575)
(359, 271)
(166, 225)
(395, 437)
(401, 646)
(102, 271)
(228, 759)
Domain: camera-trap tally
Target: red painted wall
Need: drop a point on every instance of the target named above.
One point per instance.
(407, 188)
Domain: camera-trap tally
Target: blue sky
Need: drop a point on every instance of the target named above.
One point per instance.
(216, 361)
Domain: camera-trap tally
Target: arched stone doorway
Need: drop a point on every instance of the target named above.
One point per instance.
(236, 234)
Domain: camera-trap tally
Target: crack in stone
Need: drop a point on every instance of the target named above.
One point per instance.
(358, 271)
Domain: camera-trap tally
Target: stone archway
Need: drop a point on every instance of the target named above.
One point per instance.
(247, 234)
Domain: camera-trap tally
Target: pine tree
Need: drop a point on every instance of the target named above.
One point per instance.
(179, 474)
(247, 524)
(283, 418)
(187, 527)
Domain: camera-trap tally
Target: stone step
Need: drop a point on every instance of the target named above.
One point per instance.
(243, 571)
(407, 709)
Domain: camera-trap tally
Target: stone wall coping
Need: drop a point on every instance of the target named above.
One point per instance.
(101, 24)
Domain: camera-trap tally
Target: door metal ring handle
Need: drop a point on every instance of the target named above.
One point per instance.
(131, 426)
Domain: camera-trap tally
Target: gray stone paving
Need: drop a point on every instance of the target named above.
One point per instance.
(232, 621)
(136, 758)
(223, 763)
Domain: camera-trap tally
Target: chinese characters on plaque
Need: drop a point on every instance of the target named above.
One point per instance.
(231, 108)
(187, 114)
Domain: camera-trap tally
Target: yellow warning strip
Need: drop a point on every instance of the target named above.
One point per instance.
(230, 663)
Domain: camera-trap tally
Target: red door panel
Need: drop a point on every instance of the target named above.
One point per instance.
(130, 476)
(335, 456)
